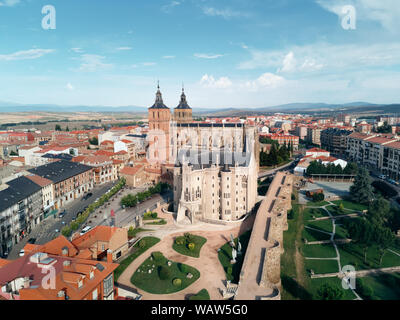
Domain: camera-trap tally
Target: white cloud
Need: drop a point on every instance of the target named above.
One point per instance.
(9, 3)
(266, 80)
(93, 63)
(224, 13)
(148, 64)
(385, 12)
(70, 87)
(208, 56)
(210, 82)
(169, 57)
(327, 57)
(77, 50)
(289, 63)
(124, 48)
(168, 7)
(26, 54)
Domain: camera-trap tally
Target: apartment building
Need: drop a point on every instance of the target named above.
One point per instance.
(71, 180)
(314, 135)
(21, 209)
(334, 140)
(375, 151)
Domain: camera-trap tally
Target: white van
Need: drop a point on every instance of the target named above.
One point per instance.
(85, 229)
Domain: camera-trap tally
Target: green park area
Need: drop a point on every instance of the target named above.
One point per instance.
(158, 275)
(201, 295)
(373, 245)
(140, 247)
(189, 245)
(232, 271)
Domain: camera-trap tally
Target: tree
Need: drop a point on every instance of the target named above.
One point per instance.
(363, 232)
(67, 129)
(361, 190)
(330, 292)
(379, 211)
(94, 141)
(58, 127)
(385, 239)
(318, 197)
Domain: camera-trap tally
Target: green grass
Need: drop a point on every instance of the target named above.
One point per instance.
(183, 249)
(384, 286)
(132, 233)
(157, 223)
(312, 235)
(201, 295)
(317, 204)
(317, 283)
(321, 266)
(150, 241)
(340, 231)
(311, 213)
(225, 257)
(151, 282)
(353, 254)
(319, 251)
(351, 205)
(324, 225)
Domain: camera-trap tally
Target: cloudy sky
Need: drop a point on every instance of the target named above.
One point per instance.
(228, 53)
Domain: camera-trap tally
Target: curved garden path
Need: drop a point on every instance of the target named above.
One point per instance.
(212, 275)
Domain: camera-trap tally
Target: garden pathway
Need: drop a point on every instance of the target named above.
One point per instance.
(212, 274)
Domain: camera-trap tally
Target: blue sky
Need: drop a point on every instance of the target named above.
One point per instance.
(228, 53)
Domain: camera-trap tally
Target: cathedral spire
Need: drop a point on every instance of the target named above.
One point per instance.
(159, 104)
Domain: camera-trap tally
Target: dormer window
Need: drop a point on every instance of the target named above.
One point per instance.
(91, 274)
(80, 284)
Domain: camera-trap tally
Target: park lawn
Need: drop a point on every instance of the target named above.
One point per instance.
(151, 282)
(150, 241)
(340, 231)
(319, 251)
(334, 210)
(183, 249)
(157, 223)
(312, 235)
(351, 205)
(134, 232)
(317, 204)
(311, 213)
(323, 225)
(353, 254)
(201, 295)
(317, 283)
(321, 266)
(225, 257)
(385, 286)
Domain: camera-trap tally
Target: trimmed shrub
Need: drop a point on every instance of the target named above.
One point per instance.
(164, 273)
(318, 197)
(154, 215)
(177, 282)
(180, 240)
(229, 270)
(159, 258)
(191, 246)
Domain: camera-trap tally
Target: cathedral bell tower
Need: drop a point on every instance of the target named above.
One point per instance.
(183, 113)
(159, 128)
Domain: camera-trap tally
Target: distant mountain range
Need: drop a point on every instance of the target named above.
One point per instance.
(9, 107)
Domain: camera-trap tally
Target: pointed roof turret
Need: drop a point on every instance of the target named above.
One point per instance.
(183, 103)
(159, 104)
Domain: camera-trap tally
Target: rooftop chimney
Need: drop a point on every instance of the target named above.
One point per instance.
(109, 256)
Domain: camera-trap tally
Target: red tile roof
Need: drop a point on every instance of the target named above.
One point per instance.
(130, 171)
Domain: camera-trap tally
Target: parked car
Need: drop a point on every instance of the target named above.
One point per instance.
(85, 229)
(62, 213)
(382, 177)
(87, 196)
(22, 253)
(32, 240)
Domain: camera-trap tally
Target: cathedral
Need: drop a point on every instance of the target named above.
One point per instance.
(214, 166)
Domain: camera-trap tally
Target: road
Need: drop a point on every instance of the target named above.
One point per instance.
(288, 166)
(46, 231)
